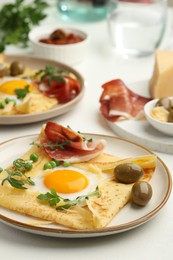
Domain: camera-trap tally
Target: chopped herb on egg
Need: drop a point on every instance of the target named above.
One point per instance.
(21, 93)
(53, 199)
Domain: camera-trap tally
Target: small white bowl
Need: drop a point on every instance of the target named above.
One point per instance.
(70, 54)
(164, 127)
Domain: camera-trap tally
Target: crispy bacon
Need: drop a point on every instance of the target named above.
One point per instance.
(119, 103)
(75, 149)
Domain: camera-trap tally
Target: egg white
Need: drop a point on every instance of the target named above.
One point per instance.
(18, 101)
(93, 181)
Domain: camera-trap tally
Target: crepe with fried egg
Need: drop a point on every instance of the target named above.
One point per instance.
(96, 211)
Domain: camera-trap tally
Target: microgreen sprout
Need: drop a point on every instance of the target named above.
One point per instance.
(53, 146)
(16, 174)
(53, 199)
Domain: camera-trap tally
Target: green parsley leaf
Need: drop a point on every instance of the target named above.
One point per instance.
(17, 20)
(51, 73)
(21, 93)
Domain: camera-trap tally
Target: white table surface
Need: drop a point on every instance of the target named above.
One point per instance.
(153, 240)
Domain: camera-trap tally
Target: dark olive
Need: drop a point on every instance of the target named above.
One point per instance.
(16, 68)
(128, 172)
(141, 193)
(57, 35)
(170, 116)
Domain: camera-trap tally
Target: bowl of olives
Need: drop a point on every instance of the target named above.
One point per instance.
(159, 114)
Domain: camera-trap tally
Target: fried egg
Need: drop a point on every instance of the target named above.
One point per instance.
(68, 182)
(9, 84)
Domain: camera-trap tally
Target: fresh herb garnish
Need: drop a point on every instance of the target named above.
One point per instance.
(17, 19)
(17, 174)
(22, 165)
(17, 183)
(51, 73)
(53, 146)
(53, 198)
(21, 93)
(90, 140)
(6, 101)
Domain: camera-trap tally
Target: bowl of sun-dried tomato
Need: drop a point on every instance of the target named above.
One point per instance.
(64, 44)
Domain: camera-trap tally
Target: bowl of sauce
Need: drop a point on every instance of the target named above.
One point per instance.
(66, 45)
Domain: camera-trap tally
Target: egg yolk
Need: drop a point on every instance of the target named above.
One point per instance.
(66, 181)
(9, 87)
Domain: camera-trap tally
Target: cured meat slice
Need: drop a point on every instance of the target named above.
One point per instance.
(64, 144)
(63, 90)
(120, 103)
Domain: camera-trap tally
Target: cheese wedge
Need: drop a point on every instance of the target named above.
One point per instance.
(161, 83)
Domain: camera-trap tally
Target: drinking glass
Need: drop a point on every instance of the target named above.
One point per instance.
(136, 28)
(84, 10)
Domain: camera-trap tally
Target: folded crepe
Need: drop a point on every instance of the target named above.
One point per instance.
(96, 212)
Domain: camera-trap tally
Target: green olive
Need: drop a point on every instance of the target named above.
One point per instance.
(159, 103)
(141, 193)
(164, 102)
(170, 116)
(16, 68)
(128, 172)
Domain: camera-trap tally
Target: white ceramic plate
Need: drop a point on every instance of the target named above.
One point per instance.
(40, 63)
(141, 131)
(129, 217)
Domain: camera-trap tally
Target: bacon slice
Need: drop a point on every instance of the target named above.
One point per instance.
(75, 148)
(120, 103)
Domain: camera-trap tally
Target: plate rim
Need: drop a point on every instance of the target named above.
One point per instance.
(53, 232)
(32, 118)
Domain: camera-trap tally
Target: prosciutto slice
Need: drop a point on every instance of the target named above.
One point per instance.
(69, 145)
(63, 90)
(120, 103)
